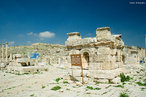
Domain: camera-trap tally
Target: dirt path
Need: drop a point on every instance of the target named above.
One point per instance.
(39, 85)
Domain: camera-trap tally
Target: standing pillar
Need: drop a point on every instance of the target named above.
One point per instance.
(0, 51)
(10, 57)
(6, 53)
(3, 51)
(145, 45)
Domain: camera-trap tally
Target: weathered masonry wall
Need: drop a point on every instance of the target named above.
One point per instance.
(103, 52)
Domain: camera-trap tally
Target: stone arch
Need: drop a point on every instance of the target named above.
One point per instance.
(85, 53)
(123, 58)
(85, 50)
(86, 58)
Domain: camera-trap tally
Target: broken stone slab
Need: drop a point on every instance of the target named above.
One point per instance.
(116, 80)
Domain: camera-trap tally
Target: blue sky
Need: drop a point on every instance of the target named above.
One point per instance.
(23, 22)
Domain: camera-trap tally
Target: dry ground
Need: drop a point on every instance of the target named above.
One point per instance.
(39, 85)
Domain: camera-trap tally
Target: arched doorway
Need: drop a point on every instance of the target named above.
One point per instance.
(85, 59)
(123, 59)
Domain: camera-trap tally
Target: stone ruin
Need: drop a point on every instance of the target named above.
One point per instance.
(102, 56)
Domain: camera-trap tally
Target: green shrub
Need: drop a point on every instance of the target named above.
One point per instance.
(97, 88)
(110, 83)
(65, 82)
(43, 87)
(96, 82)
(56, 88)
(141, 84)
(124, 78)
(26, 73)
(123, 95)
(104, 93)
(119, 86)
(91, 88)
(37, 72)
(142, 89)
(58, 79)
(31, 95)
(68, 89)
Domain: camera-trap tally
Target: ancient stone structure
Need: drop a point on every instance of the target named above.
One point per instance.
(145, 45)
(6, 51)
(2, 52)
(101, 55)
(133, 55)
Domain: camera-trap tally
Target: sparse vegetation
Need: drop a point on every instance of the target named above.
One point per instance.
(74, 86)
(97, 82)
(124, 78)
(124, 95)
(142, 89)
(31, 95)
(119, 86)
(67, 89)
(141, 84)
(110, 83)
(65, 82)
(123, 83)
(11, 87)
(43, 87)
(104, 93)
(58, 79)
(56, 88)
(26, 73)
(37, 72)
(91, 88)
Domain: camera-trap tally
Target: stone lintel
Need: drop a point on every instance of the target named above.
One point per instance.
(73, 33)
(103, 28)
(109, 43)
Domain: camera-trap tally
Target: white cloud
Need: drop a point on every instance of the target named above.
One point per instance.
(11, 43)
(46, 34)
(31, 34)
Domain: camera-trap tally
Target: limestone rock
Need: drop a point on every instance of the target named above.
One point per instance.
(116, 80)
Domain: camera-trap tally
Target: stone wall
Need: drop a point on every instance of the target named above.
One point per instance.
(133, 55)
(50, 53)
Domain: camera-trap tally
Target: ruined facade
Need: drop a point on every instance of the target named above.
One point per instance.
(133, 55)
(100, 55)
(145, 45)
(104, 51)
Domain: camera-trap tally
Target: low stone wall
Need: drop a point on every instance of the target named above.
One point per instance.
(24, 70)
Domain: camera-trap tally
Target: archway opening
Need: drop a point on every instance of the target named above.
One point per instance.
(123, 59)
(86, 59)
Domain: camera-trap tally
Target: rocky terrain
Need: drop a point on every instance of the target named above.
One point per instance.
(52, 83)
(43, 49)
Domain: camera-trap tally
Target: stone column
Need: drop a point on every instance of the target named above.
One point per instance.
(6, 52)
(145, 45)
(10, 57)
(0, 51)
(3, 51)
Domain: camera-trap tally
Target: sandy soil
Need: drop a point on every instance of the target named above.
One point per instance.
(39, 85)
